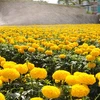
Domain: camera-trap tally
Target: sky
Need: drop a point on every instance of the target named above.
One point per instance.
(49, 1)
(52, 1)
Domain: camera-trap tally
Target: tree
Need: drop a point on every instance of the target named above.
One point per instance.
(74, 1)
(67, 2)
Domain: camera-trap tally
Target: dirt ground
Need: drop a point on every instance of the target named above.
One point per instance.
(28, 13)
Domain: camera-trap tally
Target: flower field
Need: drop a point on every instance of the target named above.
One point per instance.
(50, 62)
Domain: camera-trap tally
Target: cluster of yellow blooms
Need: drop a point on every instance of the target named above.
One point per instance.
(78, 81)
(49, 40)
(11, 71)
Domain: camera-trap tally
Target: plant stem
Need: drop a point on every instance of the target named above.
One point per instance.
(83, 98)
(71, 97)
(71, 69)
(32, 83)
(97, 96)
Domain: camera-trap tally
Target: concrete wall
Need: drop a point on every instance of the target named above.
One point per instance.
(27, 13)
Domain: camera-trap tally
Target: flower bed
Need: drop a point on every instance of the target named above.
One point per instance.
(44, 62)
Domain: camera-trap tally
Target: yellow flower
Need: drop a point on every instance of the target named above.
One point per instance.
(2, 63)
(87, 79)
(91, 79)
(60, 46)
(62, 56)
(2, 40)
(28, 44)
(9, 64)
(30, 39)
(90, 57)
(48, 52)
(22, 68)
(21, 50)
(2, 59)
(98, 59)
(79, 90)
(85, 53)
(17, 46)
(31, 49)
(10, 73)
(60, 74)
(27, 75)
(11, 41)
(95, 52)
(71, 80)
(0, 82)
(57, 81)
(2, 97)
(4, 79)
(77, 73)
(91, 65)
(67, 42)
(75, 44)
(68, 47)
(0, 72)
(78, 51)
(30, 66)
(98, 76)
(40, 49)
(36, 98)
(54, 47)
(34, 45)
(40, 73)
(25, 47)
(51, 91)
